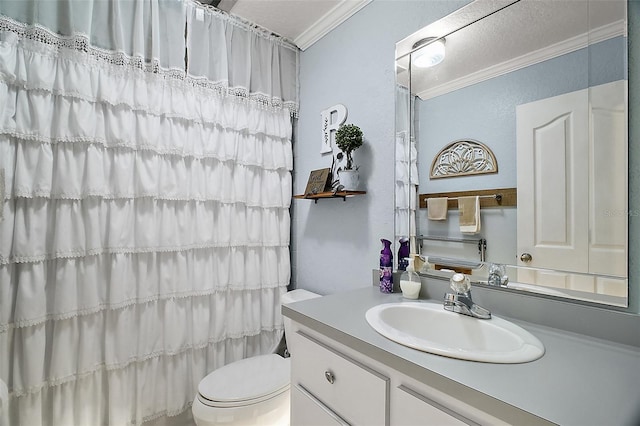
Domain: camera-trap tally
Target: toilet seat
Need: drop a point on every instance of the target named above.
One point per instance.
(245, 382)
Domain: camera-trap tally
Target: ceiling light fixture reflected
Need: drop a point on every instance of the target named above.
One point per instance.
(431, 54)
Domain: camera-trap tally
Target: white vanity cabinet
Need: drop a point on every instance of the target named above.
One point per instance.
(332, 384)
(333, 388)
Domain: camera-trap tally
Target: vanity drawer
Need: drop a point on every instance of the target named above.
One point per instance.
(353, 391)
(311, 412)
(411, 408)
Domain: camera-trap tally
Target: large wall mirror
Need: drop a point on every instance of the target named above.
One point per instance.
(522, 104)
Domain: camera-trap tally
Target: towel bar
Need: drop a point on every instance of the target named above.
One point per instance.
(489, 198)
(482, 243)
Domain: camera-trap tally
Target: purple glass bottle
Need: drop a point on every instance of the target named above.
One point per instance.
(403, 254)
(386, 267)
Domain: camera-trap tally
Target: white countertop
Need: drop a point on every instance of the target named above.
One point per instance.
(580, 380)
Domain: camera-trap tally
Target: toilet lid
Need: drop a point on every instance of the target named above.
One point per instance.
(247, 380)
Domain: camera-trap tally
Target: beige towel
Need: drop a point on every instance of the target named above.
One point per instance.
(469, 214)
(437, 208)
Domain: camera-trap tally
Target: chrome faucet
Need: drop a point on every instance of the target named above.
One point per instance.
(497, 275)
(460, 301)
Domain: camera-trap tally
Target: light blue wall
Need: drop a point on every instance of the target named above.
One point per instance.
(336, 244)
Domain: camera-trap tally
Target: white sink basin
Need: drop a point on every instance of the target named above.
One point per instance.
(428, 327)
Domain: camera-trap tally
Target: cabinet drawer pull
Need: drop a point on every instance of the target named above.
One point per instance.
(329, 376)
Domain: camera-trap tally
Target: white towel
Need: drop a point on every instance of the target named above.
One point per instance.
(469, 214)
(437, 208)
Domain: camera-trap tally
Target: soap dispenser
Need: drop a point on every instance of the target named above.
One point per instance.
(410, 281)
(386, 267)
(403, 254)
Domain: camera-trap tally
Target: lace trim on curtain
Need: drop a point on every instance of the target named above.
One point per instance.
(274, 128)
(159, 395)
(58, 381)
(211, 181)
(135, 146)
(251, 271)
(5, 328)
(89, 227)
(75, 254)
(167, 413)
(65, 196)
(81, 43)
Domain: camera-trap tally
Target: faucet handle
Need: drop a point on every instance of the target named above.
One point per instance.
(460, 283)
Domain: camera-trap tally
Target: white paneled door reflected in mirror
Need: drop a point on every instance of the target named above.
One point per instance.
(543, 84)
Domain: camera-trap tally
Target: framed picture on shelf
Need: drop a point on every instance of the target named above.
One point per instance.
(318, 181)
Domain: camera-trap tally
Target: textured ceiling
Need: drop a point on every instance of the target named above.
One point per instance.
(303, 22)
(526, 29)
(288, 18)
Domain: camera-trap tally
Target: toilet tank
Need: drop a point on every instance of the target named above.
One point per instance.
(294, 296)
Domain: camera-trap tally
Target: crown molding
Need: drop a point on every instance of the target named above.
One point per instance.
(329, 21)
(615, 29)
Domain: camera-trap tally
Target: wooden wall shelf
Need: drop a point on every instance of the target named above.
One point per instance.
(509, 197)
(340, 194)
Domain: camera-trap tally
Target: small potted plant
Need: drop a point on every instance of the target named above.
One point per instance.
(348, 139)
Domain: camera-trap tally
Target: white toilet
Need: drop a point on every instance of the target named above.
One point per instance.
(252, 391)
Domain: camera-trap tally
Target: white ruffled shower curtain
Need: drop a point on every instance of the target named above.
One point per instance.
(146, 149)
